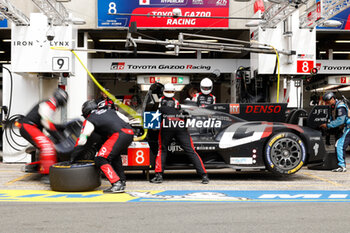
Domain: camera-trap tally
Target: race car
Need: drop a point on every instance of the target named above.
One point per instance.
(223, 140)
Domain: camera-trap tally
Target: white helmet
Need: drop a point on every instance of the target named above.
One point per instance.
(169, 90)
(206, 86)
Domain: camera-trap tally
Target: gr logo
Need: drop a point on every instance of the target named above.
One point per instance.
(118, 66)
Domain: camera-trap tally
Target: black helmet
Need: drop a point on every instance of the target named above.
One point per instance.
(60, 96)
(328, 96)
(87, 107)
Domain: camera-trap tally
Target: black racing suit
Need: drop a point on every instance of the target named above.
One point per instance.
(31, 126)
(105, 103)
(117, 136)
(169, 107)
(203, 100)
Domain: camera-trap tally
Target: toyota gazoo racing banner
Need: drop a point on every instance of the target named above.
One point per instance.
(158, 10)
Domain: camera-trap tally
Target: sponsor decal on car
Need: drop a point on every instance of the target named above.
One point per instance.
(241, 160)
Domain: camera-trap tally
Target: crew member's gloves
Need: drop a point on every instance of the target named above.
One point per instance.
(60, 127)
(76, 152)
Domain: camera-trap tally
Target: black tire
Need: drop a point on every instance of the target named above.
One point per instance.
(285, 153)
(74, 177)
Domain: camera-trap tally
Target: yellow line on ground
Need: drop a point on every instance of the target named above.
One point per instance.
(322, 179)
(17, 179)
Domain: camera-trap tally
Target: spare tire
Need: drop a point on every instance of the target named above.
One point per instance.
(74, 177)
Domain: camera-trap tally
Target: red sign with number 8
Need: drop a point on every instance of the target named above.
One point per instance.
(304, 66)
(138, 157)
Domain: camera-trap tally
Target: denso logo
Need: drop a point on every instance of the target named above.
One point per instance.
(263, 109)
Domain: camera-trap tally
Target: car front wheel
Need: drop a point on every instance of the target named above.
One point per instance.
(285, 153)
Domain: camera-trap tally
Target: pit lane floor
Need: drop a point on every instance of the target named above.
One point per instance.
(184, 185)
(229, 203)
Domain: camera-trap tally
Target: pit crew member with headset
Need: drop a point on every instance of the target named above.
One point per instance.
(205, 98)
(341, 119)
(117, 136)
(169, 107)
(104, 102)
(32, 125)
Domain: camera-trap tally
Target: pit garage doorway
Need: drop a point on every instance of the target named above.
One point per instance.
(120, 76)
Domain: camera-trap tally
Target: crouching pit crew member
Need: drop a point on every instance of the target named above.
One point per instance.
(32, 125)
(205, 98)
(341, 119)
(117, 136)
(169, 107)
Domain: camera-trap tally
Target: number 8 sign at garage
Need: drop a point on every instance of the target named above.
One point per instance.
(138, 155)
(304, 66)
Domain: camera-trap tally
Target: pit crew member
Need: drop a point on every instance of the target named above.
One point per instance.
(205, 98)
(103, 102)
(341, 119)
(169, 107)
(32, 125)
(117, 136)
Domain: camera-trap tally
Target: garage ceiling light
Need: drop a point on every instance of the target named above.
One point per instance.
(2, 51)
(342, 41)
(6, 40)
(178, 87)
(323, 52)
(341, 52)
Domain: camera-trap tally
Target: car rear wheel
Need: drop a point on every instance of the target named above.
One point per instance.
(285, 153)
(74, 177)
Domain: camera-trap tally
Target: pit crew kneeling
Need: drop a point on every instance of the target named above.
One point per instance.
(118, 135)
(31, 128)
(169, 107)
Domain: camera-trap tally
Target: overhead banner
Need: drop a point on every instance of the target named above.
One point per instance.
(157, 10)
(155, 66)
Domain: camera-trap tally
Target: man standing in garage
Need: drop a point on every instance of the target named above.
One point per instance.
(341, 119)
(169, 107)
(117, 135)
(103, 102)
(32, 125)
(205, 98)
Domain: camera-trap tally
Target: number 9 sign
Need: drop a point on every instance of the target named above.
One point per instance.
(304, 66)
(60, 64)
